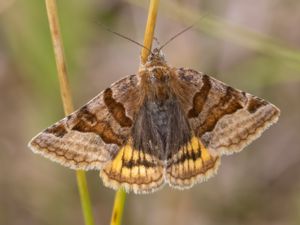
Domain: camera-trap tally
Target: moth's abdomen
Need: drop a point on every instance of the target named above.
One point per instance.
(161, 128)
(159, 113)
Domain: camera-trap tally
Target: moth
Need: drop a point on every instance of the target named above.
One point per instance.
(163, 125)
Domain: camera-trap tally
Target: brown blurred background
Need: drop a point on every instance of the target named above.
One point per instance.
(251, 45)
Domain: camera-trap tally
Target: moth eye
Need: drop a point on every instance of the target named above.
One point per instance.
(166, 77)
(152, 78)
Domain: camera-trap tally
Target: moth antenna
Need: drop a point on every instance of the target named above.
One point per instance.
(156, 40)
(175, 36)
(127, 38)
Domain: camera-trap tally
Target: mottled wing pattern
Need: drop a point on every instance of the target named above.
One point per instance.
(224, 118)
(92, 135)
(210, 119)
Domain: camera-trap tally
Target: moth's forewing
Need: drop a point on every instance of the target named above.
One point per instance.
(224, 118)
(91, 136)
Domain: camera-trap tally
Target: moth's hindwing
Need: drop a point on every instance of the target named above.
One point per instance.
(225, 119)
(134, 170)
(193, 163)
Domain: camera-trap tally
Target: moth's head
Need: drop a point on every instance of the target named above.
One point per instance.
(156, 58)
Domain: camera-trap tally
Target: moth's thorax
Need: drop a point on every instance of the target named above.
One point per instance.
(156, 77)
(156, 82)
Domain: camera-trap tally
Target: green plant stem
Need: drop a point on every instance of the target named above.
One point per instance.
(116, 218)
(67, 99)
(120, 197)
(84, 197)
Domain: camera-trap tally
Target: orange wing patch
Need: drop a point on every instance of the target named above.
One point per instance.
(133, 170)
(192, 164)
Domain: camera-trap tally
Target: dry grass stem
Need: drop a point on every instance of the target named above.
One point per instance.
(67, 100)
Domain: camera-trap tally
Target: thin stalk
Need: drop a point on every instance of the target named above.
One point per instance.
(118, 209)
(120, 197)
(67, 100)
(149, 31)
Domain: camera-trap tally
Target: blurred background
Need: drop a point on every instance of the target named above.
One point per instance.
(254, 46)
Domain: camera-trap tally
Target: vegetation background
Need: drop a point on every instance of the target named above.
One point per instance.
(254, 46)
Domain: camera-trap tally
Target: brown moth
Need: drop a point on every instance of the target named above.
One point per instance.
(163, 125)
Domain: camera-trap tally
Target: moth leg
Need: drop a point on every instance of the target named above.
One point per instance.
(133, 170)
(192, 164)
